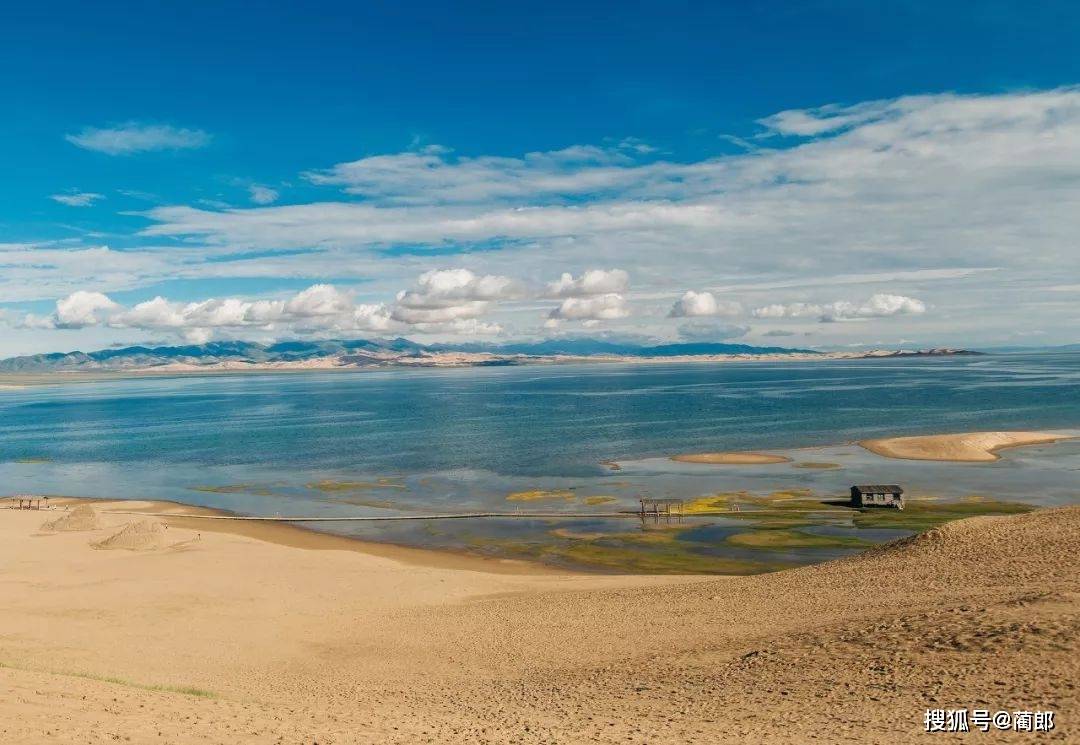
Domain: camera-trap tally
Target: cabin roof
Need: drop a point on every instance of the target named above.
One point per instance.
(878, 488)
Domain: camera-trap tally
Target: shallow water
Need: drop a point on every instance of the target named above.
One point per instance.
(400, 441)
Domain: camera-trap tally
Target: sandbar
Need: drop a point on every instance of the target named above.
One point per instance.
(731, 459)
(964, 447)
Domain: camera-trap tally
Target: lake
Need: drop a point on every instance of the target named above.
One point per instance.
(535, 438)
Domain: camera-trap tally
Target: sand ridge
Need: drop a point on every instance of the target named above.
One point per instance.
(964, 447)
(339, 646)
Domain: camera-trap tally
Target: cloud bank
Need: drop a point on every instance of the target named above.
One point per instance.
(905, 203)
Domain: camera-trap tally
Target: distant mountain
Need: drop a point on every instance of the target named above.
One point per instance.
(360, 352)
(584, 347)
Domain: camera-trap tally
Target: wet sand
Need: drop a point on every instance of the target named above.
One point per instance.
(964, 447)
(264, 633)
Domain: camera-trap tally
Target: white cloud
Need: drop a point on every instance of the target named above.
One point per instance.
(441, 302)
(262, 194)
(451, 300)
(77, 198)
(319, 300)
(880, 305)
(134, 137)
(693, 304)
(826, 119)
(80, 309)
(434, 175)
(911, 197)
(592, 282)
(608, 307)
(442, 287)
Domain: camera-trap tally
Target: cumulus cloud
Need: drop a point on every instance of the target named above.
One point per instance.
(134, 137)
(442, 287)
(693, 304)
(77, 198)
(447, 301)
(81, 309)
(452, 300)
(318, 308)
(607, 307)
(592, 282)
(880, 305)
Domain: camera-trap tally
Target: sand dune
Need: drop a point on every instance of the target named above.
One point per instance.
(973, 447)
(141, 535)
(731, 459)
(243, 640)
(82, 517)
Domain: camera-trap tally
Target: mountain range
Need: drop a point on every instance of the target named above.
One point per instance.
(359, 352)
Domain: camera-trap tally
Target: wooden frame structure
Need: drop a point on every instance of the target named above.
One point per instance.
(657, 508)
(28, 502)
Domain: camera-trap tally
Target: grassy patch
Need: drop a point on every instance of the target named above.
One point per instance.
(716, 503)
(185, 690)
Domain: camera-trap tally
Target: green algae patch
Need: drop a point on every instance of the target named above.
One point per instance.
(923, 514)
(578, 535)
(775, 540)
(542, 495)
(261, 491)
(382, 504)
(648, 551)
(598, 500)
(675, 559)
(331, 486)
(818, 465)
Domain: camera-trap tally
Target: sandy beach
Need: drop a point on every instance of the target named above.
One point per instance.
(964, 447)
(240, 632)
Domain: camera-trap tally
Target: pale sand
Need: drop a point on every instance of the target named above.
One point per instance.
(338, 646)
(966, 447)
(731, 459)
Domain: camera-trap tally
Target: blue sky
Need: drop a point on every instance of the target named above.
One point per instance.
(239, 155)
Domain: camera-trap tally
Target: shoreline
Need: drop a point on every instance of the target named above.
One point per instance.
(294, 535)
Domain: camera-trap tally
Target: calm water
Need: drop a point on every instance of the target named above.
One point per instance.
(421, 440)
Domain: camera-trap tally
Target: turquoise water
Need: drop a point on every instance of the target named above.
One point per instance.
(400, 441)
